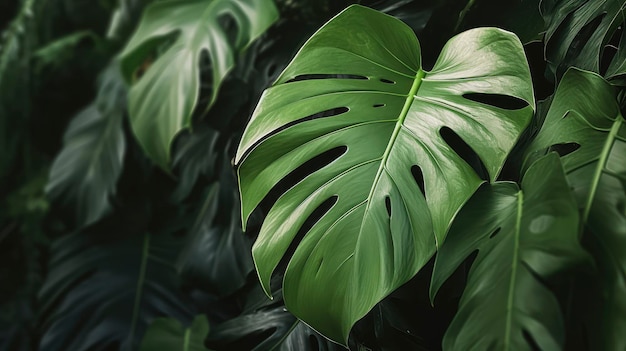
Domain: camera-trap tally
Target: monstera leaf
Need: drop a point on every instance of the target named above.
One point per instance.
(523, 238)
(85, 173)
(578, 31)
(162, 100)
(167, 334)
(357, 97)
(585, 125)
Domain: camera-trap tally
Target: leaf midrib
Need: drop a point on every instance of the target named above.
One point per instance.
(108, 131)
(417, 82)
(145, 252)
(514, 267)
(604, 157)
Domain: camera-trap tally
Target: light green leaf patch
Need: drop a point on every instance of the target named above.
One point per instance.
(162, 100)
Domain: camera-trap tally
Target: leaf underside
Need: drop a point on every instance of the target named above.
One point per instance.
(356, 93)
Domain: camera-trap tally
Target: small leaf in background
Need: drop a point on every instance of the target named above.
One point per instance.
(524, 240)
(586, 127)
(217, 256)
(56, 53)
(386, 148)
(195, 157)
(85, 173)
(167, 334)
(578, 31)
(164, 57)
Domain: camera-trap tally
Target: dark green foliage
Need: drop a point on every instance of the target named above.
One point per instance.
(101, 248)
(86, 170)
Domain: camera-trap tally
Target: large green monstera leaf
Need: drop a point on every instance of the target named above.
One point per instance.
(523, 237)
(356, 93)
(585, 125)
(578, 31)
(162, 100)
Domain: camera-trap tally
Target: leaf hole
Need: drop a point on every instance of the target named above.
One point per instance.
(418, 176)
(388, 81)
(229, 24)
(505, 102)
(323, 114)
(314, 343)
(271, 70)
(388, 205)
(205, 77)
(495, 232)
(378, 105)
(325, 76)
(464, 151)
(610, 49)
(581, 39)
(315, 216)
(530, 340)
(564, 148)
(326, 113)
(621, 207)
(297, 175)
(153, 50)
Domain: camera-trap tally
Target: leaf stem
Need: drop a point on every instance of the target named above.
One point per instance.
(509, 304)
(462, 14)
(186, 339)
(417, 81)
(604, 156)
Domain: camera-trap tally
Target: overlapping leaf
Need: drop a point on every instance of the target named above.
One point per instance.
(578, 31)
(585, 125)
(524, 238)
(161, 102)
(273, 329)
(356, 93)
(85, 172)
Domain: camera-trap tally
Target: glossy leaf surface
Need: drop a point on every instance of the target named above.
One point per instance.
(523, 238)
(162, 100)
(585, 125)
(356, 93)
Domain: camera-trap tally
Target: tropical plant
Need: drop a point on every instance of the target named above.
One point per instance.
(395, 175)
